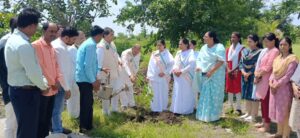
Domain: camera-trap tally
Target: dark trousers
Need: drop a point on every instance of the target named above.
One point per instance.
(45, 115)
(86, 105)
(26, 104)
(4, 86)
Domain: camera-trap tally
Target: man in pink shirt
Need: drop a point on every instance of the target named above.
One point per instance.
(47, 61)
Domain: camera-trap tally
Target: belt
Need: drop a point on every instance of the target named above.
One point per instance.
(26, 87)
(249, 66)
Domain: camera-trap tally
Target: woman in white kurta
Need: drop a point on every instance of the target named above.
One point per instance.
(183, 95)
(158, 74)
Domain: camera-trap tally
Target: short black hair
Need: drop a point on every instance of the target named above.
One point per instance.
(96, 30)
(45, 26)
(69, 31)
(194, 42)
(107, 31)
(28, 16)
(13, 24)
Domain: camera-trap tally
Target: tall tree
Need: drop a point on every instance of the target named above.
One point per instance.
(178, 18)
(78, 13)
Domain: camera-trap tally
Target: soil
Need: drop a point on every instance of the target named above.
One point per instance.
(141, 115)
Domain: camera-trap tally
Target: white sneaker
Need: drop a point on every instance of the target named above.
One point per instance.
(244, 116)
(249, 119)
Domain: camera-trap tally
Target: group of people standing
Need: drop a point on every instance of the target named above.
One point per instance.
(267, 75)
(62, 65)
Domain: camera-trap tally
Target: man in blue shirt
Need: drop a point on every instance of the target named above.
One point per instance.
(86, 76)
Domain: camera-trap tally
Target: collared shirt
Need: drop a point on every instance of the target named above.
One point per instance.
(86, 62)
(48, 62)
(22, 66)
(130, 62)
(64, 60)
(3, 69)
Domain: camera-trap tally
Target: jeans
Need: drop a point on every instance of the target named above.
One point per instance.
(57, 110)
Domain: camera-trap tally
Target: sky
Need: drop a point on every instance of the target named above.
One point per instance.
(115, 10)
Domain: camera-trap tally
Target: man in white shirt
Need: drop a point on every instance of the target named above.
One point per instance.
(25, 78)
(73, 104)
(130, 60)
(109, 62)
(64, 60)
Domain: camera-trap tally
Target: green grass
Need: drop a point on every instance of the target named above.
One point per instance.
(119, 125)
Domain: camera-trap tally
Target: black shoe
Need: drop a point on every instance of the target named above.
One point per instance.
(154, 113)
(134, 107)
(176, 114)
(67, 131)
(83, 130)
(238, 112)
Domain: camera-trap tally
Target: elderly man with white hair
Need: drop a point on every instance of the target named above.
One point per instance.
(131, 60)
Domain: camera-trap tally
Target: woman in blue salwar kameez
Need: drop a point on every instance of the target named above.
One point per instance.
(211, 78)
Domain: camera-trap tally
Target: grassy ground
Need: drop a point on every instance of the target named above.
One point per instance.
(122, 125)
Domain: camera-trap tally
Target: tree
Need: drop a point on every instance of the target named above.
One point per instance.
(178, 18)
(77, 13)
(4, 23)
(280, 14)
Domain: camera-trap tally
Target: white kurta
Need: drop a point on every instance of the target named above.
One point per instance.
(130, 67)
(73, 103)
(65, 62)
(183, 94)
(108, 58)
(160, 62)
